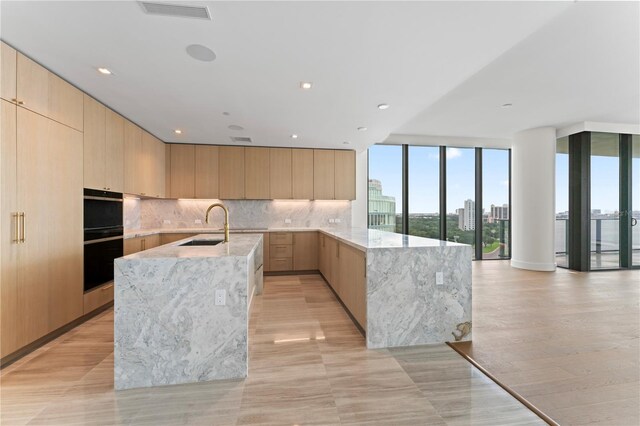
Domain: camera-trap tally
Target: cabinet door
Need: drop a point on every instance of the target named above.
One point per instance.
(231, 167)
(114, 151)
(65, 103)
(256, 172)
(64, 215)
(280, 173)
(207, 159)
(302, 174)
(32, 86)
(147, 165)
(132, 245)
(8, 63)
(172, 238)
(331, 261)
(10, 310)
(94, 144)
(323, 174)
(159, 160)
(345, 175)
(266, 256)
(183, 161)
(359, 310)
(132, 157)
(321, 254)
(305, 251)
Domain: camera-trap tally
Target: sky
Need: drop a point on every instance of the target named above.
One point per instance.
(385, 164)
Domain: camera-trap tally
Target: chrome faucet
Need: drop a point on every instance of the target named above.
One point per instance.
(226, 219)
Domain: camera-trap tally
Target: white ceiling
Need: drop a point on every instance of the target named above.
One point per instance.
(444, 67)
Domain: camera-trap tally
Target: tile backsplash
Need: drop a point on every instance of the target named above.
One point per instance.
(255, 214)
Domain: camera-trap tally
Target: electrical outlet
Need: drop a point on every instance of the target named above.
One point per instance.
(221, 297)
(439, 278)
(166, 222)
(338, 220)
(198, 221)
(287, 221)
(332, 221)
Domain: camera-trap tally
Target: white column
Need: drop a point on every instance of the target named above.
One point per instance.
(359, 205)
(533, 199)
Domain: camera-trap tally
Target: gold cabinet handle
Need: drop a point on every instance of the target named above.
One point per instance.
(23, 227)
(16, 228)
(15, 100)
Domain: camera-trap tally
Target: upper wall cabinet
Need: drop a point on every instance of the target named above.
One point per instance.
(256, 173)
(183, 160)
(207, 179)
(280, 175)
(231, 172)
(302, 174)
(132, 154)
(345, 175)
(323, 174)
(8, 73)
(152, 166)
(103, 147)
(39, 90)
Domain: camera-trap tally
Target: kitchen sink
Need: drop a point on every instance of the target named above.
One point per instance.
(202, 243)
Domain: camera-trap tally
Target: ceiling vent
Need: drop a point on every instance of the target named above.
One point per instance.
(241, 139)
(178, 10)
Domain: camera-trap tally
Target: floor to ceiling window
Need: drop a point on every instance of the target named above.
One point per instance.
(635, 200)
(385, 188)
(495, 203)
(605, 201)
(424, 193)
(440, 186)
(562, 202)
(461, 207)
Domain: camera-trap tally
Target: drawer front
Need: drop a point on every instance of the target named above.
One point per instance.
(277, 251)
(98, 297)
(281, 238)
(284, 264)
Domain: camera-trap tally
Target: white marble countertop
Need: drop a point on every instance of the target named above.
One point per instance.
(238, 246)
(359, 238)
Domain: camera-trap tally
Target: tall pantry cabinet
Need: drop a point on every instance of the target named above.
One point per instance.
(41, 184)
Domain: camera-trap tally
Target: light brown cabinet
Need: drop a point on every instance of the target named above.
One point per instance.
(302, 174)
(135, 245)
(281, 251)
(8, 72)
(280, 173)
(323, 174)
(256, 173)
(103, 142)
(132, 155)
(231, 172)
(305, 251)
(144, 162)
(183, 174)
(171, 238)
(45, 93)
(206, 174)
(345, 175)
(98, 297)
(266, 252)
(42, 249)
(351, 278)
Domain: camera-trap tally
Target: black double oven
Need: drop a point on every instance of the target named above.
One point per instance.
(103, 236)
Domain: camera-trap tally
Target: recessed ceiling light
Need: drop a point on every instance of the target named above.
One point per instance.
(177, 131)
(383, 106)
(201, 53)
(236, 127)
(346, 142)
(294, 136)
(507, 105)
(362, 129)
(306, 85)
(225, 113)
(104, 71)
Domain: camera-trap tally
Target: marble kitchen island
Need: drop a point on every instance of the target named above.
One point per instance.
(168, 328)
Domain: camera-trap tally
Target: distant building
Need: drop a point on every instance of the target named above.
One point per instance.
(498, 213)
(460, 213)
(382, 208)
(467, 216)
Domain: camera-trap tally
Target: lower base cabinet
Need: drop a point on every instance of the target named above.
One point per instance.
(134, 245)
(98, 297)
(172, 238)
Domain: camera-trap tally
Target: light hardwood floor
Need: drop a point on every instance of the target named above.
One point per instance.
(307, 365)
(568, 342)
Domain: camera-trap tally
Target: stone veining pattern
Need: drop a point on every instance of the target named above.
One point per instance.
(167, 328)
(254, 214)
(405, 307)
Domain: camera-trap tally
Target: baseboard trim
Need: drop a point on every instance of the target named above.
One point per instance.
(533, 266)
(281, 273)
(26, 350)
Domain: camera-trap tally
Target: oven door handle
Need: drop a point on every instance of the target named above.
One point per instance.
(102, 240)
